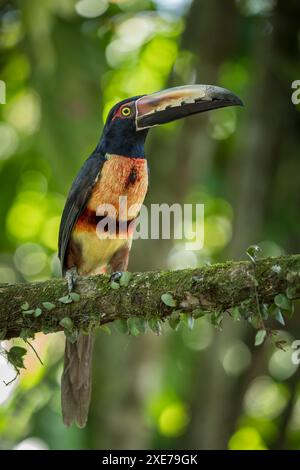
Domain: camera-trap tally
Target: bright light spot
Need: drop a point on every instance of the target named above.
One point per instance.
(25, 217)
(17, 69)
(173, 5)
(160, 54)
(32, 443)
(173, 420)
(30, 259)
(9, 141)
(141, 82)
(32, 211)
(265, 398)
(218, 206)
(23, 112)
(200, 337)
(7, 274)
(117, 52)
(236, 358)
(222, 124)
(246, 439)
(7, 373)
(145, 76)
(256, 7)
(217, 232)
(91, 8)
(179, 258)
(135, 31)
(281, 366)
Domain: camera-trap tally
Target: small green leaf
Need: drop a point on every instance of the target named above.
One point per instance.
(291, 292)
(28, 312)
(292, 276)
(282, 302)
(65, 300)
(121, 326)
(197, 313)
(174, 320)
(105, 329)
(67, 323)
(74, 296)
(136, 325)
(168, 300)
(264, 311)
(125, 278)
(26, 333)
(255, 321)
(48, 305)
(252, 252)
(235, 313)
(37, 312)
(115, 285)
(155, 325)
(279, 317)
(260, 337)
(216, 319)
(25, 306)
(47, 329)
(16, 357)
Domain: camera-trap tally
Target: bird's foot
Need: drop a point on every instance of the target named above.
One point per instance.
(71, 276)
(115, 276)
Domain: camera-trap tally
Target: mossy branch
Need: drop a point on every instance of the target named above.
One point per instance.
(229, 287)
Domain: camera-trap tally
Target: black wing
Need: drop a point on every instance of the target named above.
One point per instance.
(77, 199)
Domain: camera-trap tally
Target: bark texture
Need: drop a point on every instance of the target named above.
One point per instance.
(215, 288)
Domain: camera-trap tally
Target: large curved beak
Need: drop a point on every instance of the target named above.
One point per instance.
(176, 103)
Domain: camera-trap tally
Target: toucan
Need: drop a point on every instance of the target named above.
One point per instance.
(117, 167)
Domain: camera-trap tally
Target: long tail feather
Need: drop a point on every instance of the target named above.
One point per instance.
(76, 380)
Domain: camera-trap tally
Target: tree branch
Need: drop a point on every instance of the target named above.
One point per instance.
(213, 289)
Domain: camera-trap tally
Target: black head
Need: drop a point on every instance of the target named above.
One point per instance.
(120, 135)
(128, 122)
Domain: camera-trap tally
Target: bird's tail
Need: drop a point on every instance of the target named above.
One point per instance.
(76, 380)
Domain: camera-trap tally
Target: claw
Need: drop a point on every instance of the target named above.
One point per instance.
(71, 276)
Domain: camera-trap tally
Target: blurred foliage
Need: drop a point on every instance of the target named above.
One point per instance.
(64, 64)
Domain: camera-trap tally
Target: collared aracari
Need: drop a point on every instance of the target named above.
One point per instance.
(117, 167)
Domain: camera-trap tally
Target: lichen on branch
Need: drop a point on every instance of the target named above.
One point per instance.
(231, 287)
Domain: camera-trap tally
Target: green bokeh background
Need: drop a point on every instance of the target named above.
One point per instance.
(64, 64)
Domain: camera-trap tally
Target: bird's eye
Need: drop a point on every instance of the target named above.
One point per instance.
(126, 111)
